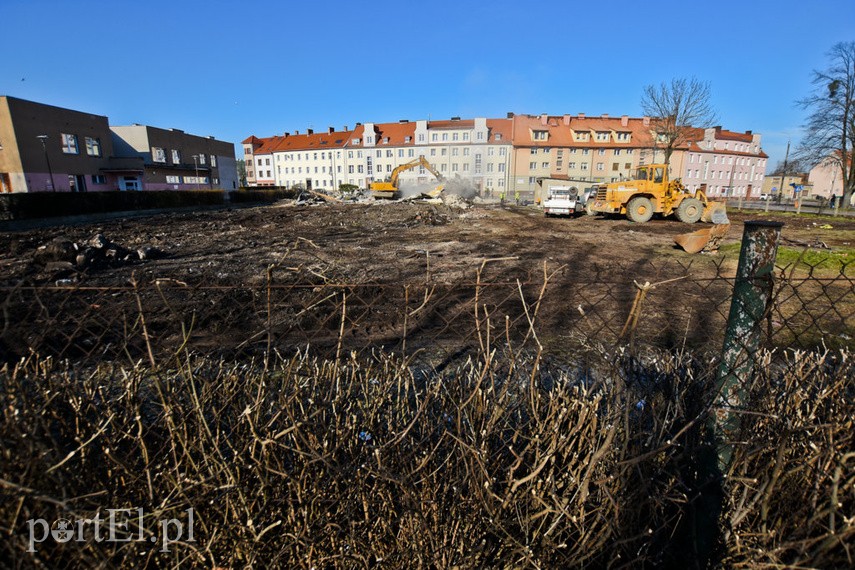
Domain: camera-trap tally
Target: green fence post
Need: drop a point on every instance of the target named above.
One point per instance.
(752, 293)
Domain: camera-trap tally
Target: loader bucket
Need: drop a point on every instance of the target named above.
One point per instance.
(715, 212)
(705, 239)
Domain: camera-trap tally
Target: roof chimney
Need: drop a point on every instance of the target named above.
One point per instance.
(645, 121)
(310, 131)
(749, 133)
(604, 116)
(287, 134)
(403, 120)
(358, 124)
(566, 120)
(455, 118)
(581, 115)
(330, 130)
(624, 120)
(345, 128)
(543, 119)
(510, 115)
(296, 132)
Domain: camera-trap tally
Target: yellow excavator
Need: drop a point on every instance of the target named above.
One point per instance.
(390, 190)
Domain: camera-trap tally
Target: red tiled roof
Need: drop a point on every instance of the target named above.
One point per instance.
(396, 132)
(562, 135)
(504, 127)
(458, 124)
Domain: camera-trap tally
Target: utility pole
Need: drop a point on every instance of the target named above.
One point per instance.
(783, 174)
(196, 164)
(43, 139)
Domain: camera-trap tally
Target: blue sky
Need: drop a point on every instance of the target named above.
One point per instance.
(236, 68)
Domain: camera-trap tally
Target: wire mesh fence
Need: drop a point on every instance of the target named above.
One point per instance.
(664, 307)
(549, 418)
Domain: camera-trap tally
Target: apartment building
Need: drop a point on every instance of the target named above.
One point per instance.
(826, 177)
(723, 163)
(175, 160)
(575, 150)
(50, 149)
(45, 148)
(476, 150)
(520, 154)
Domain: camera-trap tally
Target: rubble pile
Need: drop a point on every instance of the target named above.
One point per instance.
(63, 259)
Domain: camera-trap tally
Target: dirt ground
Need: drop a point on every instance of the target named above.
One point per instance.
(593, 263)
(370, 243)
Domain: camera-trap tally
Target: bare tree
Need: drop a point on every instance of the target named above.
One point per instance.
(830, 128)
(676, 110)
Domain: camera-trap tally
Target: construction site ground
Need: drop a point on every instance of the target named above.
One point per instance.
(395, 244)
(377, 242)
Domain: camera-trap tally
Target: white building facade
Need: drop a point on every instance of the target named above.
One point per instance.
(723, 164)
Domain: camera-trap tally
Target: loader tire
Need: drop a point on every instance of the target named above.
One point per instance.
(690, 210)
(639, 210)
(589, 208)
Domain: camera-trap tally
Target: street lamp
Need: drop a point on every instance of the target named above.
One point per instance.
(196, 164)
(43, 139)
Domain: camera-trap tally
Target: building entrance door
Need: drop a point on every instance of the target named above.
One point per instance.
(130, 183)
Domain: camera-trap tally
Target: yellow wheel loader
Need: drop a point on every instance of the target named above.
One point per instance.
(651, 192)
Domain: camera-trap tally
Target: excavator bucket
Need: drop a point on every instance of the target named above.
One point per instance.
(702, 240)
(715, 212)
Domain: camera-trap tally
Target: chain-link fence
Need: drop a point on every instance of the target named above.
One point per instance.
(555, 417)
(666, 306)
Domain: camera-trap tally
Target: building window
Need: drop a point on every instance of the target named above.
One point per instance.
(503, 151)
(584, 166)
(501, 167)
(623, 137)
(532, 165)
(173, 179)
(93, 146)
(602, 136)
(410, 152)
(176, 156)
(454, 136)
(498, 136)
(466, 136)
(69, 144)
(433, 137)
(539, 135)
(601, 151)
(466, 151)
(444, 136)
(600, 166)
(421, 137)
(571, 165)
(159, 155)
(615, 166)
(544, 165)
(99, 179)
(455, 151)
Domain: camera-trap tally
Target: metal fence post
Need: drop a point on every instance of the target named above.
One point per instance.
(752, 293)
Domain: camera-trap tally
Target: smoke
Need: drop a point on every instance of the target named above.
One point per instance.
(462, 187)
(458, 186)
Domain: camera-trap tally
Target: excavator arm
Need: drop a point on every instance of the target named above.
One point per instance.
(390, 189)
